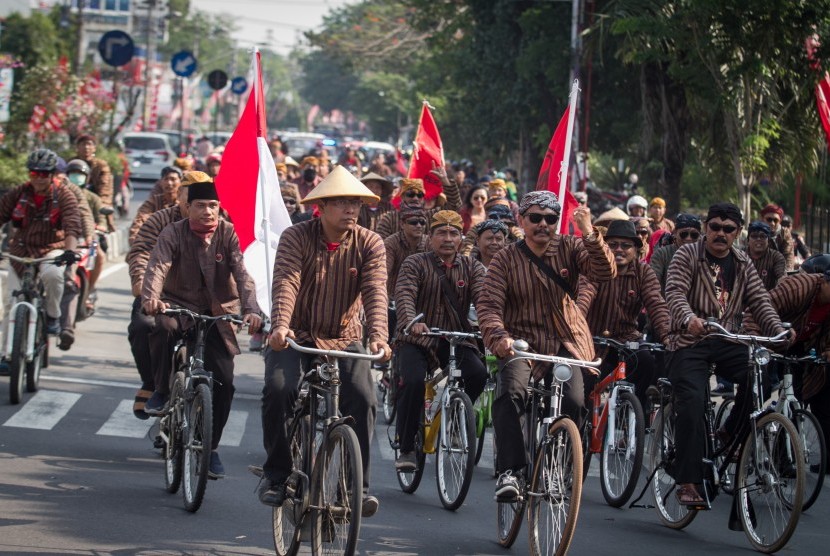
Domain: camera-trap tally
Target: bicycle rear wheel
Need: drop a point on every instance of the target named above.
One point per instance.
(770, 485)
(662, 458)
(409, 480)
(389, 394)
(18, 355)
(622, 456)
(455, 458)
(728, 478)
(556, 490)
(587, 455)
(287, 519)
(196, 439)
(338, 492)
(171, 427)
(815, 454)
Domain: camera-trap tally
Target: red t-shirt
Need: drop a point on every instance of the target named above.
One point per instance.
(815, 318)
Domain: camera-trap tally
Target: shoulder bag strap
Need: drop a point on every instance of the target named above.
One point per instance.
(546, 269)
(451, 297)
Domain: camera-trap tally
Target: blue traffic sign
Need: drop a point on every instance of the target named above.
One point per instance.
(239, 85)
(183, 63)
(116, 48)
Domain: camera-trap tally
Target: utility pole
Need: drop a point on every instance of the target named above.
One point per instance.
(81, 44)
(148, 41)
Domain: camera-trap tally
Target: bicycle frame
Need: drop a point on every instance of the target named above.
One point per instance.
(602, 418)
(29, 296)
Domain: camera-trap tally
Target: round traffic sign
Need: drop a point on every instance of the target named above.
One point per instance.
(217, 79)
(116, 48)
(239, 85)
(183, 63)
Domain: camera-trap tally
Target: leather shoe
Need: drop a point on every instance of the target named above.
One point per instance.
(369, 507)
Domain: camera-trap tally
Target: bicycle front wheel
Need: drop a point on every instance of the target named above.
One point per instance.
(556, 490)
(338, 491)
(662, 458)
(287, 519)
(171, 427)
(18, 354)
(770, 483)
(34, 367)
(455, 456)
(196, 438)
(815, 454)
(622, 455)
(389, 394)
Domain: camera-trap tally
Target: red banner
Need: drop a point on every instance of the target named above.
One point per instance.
(428, 154)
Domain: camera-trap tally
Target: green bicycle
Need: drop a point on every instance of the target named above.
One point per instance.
(483, 408)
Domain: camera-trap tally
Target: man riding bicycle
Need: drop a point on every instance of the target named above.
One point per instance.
(530, 289)
(441, 285)
(710, 279)
(46, 223)
(326, 270)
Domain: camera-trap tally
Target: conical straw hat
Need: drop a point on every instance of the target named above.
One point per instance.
(340, 183)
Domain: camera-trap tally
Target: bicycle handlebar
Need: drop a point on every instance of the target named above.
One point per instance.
(746, 338)
(633, 346)
(437, 332)
(335, 353)
(59, 260)
(810, 357)
(409, 326)
(235, 319)
(520, 348)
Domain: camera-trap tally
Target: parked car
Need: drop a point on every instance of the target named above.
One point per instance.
(218, 138)
(147, 152)
(300, 144)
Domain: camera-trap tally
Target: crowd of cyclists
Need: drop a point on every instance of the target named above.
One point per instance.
(369, 254)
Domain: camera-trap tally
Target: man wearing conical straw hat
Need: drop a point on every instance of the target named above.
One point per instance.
(326, 270)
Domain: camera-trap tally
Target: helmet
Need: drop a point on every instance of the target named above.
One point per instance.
(77, 166)
(636, 201)
(817, 264)
(42, 160)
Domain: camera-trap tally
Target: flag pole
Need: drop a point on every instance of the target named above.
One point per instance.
(266, 229)
(566, 155)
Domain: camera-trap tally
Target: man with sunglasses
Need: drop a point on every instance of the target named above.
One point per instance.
(411, 195)
(491, 238)
(710, 279)
(46, 222)
(769, 263)
(441, 285)
(291, 200)
(780, 240)
(499, 210)
(687, 230)
(530, 295)
(410, 240)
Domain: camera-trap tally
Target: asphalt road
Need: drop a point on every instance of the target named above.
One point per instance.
(80, 476)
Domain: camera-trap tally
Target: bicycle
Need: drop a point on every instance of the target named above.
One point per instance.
(388, 385)
(324, 492)
(27, 342)
(483, 408)
(769, 480)
(186, 423)
(616, 428)
(447, 429)
(555, 464)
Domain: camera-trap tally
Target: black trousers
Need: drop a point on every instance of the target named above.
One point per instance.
(642, 370)
(283, 373)
(509, 410)
(138, 334)
(820, 407)
(218, 361)
(69, 304)
(412, 368)
(689, 374)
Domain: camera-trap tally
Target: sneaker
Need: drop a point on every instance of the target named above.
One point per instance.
(155, 405)
(256, 342)
(5, 370)
(271, 493)
(507, 487)
(406, 462)
(369, 507)
(215, 470)
(53, 326)
(723, 389)
(66, 339)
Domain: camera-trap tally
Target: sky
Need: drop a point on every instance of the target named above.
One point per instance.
(279, 23)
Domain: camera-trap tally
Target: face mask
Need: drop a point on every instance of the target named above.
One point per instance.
(309, 174)
(77, 179)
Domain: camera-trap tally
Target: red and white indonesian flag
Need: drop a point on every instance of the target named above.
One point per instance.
(250, 191)
(554, 174)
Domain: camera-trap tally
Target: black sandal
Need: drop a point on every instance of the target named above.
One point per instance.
(140, 399)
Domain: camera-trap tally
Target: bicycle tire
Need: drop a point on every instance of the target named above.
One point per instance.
(781, 455)
(815, 453)
(196, 441)
(17, 361)
(672, 514)
(587, 455)
(287, 520)
(454, 463)
(727, 483)
(171, 425)
(555, 491)
(81, 314)
(337, 488)
(620, 471)
(390, 395)
(34, 367)
(410, 480)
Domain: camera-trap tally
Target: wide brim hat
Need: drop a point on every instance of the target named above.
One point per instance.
(624, 229)
(340, 183)
(291, 162)
(610, 215)
(387, 184)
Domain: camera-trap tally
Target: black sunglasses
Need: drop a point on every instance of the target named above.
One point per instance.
(624, 244)
(772, 220)
(642, 232)
(715, 227)
(693, 235)
(417, 222)
(550, 219)
(412, 195)
(289, 201)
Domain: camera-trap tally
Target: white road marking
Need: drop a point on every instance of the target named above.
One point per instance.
(234, 428)
(43, 411)
(123, 423)
(111, 270)
(386, 451)
(92, 382)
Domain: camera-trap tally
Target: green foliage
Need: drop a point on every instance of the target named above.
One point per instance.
(13, 170)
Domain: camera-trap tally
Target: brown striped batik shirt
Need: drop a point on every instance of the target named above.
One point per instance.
(397, 250)
(370, 216)
(612, 307)
(514, 233)
(318, 293)
(390, 222)
(144, 241)
(660, 264)
(690, 292)
(521, 302)
(771, 267)
(783, 242)
(793, 298)
(101, 182)
(419, 291)
(153, 204)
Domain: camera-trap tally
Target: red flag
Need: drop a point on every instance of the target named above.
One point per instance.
(428, 153)
(249, 190)
(822, 94)
(554, 175)
(400, 165)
